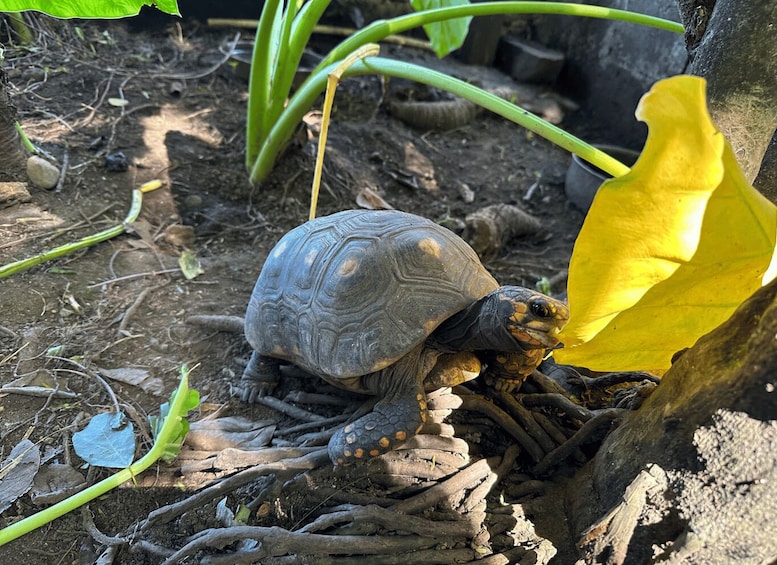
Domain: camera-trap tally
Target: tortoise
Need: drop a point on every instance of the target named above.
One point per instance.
(389, 303)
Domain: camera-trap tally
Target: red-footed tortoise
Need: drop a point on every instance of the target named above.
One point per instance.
(381, 301)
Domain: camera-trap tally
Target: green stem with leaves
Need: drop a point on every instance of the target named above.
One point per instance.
(169, 430)
(282, 36)
(388, 67)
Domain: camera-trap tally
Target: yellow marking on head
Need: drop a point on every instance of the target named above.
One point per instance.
(401, 435)
(348, 429)
(370, 426)
(430, 247)
(349, 439)
(384, 442)
(348, 267)
(375, 452)
(347, 452)
(359, 453)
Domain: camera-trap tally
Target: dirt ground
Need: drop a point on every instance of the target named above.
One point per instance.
(122, 304)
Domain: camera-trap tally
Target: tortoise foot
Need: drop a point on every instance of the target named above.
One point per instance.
(378, 432)
(260, 378)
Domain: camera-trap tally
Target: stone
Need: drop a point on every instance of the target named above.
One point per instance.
(12, 193)
(42, 173)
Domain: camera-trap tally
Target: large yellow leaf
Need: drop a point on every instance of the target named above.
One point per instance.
(669, 250)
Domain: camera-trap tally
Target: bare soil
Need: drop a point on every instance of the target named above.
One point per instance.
(122, 304)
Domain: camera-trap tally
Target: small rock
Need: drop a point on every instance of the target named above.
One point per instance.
(42, 173)
(116, 162)
(179, 235)
(13, 193)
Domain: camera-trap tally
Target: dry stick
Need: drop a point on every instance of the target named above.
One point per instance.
(171, 511)
(526, 419)
(288, 409)
(546, 384)
(584, 434)
(63, 171)
(558, 435)
(464, 479)
(559, 401)
(333, 421)
(477, 403)
(391, 521)
(434, 556)
(480, 492)
(278, 541)
(232, 324)
(133, 308)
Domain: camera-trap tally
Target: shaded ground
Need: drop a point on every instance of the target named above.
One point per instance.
(122, 304)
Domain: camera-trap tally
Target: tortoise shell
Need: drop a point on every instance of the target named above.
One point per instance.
(349, 294)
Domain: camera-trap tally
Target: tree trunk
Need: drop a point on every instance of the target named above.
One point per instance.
(733, 44)
(693, 471)
(11, 154)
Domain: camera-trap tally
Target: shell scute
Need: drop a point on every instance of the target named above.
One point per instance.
(342, 294)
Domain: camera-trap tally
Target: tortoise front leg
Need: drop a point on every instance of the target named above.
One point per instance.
(396, 418)
(260, 377)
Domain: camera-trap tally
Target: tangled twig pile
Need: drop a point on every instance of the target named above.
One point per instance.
(431, 501)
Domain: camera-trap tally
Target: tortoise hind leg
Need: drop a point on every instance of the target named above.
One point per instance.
(260, 377)
(398, 416)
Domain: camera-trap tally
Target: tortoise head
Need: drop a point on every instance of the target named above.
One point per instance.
(532, 318)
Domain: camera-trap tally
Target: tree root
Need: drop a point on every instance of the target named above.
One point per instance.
(587, 433)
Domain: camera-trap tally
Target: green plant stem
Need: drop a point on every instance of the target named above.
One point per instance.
(316, 83)
(265, 141)
(132, 215)
(379, 29)
(278, 48)
(28, 145)
(169, 428)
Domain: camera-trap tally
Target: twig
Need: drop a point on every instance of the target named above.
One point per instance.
(88, 522)
(133, 308)
(477, 403)
(288, 409)
(135, 276)
(559, 401)
(526, 419)
(170, 512)
(278, 541)
(464, 479)
(583, 435)
(95, 376)
(37, 391)
(63, 170)
(480, 492)
(393, 520)
(233, 324)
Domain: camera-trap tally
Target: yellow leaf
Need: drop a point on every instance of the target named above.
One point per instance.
(669, 250)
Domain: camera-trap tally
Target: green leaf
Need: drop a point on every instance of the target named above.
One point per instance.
(180, 427)
(89, 8)
(108, 440)
(447, 35)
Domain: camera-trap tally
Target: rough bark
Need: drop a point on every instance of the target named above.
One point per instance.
(11, 155)
(693, 470)
(733, 44)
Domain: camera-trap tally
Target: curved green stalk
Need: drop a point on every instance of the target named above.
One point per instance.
(316, 83)
(380, 29)
(132, 215)
(263, 144)
(170, 428)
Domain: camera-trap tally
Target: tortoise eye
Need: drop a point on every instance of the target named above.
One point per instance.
(541, 310)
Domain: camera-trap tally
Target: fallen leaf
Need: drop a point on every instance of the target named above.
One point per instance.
(668, 251)
(17, 472)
